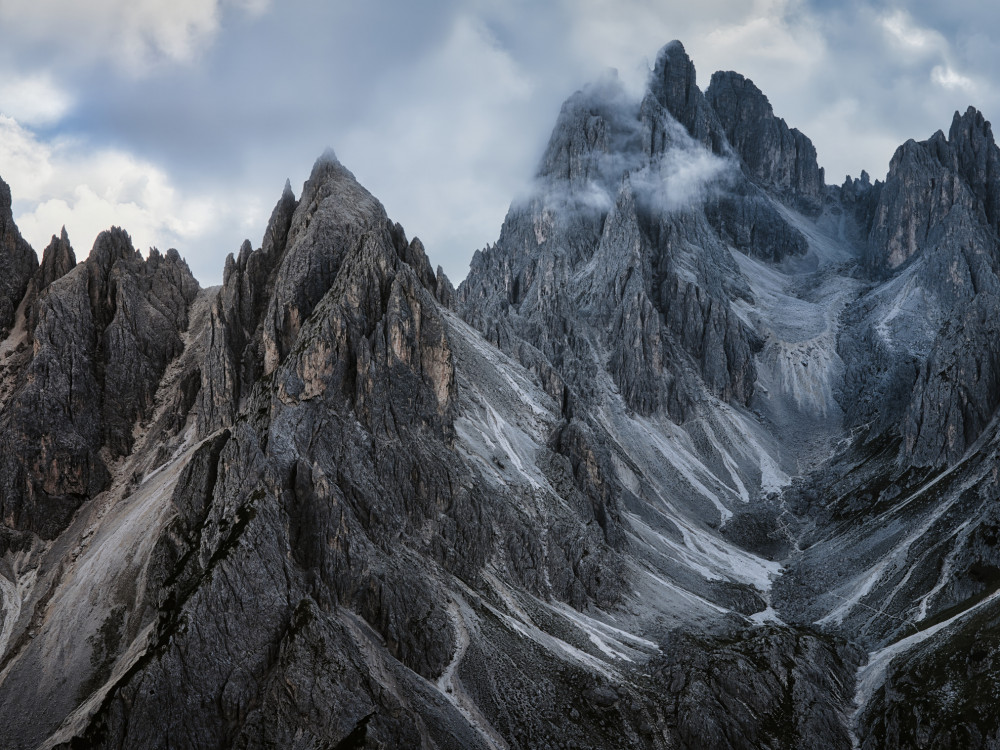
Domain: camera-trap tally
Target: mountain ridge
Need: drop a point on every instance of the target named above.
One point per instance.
(700, 454)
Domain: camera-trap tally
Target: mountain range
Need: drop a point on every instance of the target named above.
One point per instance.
(703, 453)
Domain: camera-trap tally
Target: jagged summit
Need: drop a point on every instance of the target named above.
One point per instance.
(17, 262)
(325, 162)
(673, 85)
(58, 259)
(774, 154)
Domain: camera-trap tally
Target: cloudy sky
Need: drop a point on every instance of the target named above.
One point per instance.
(180, 119)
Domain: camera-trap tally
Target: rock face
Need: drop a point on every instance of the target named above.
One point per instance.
(18, 262)
(103, 336)
(776, 156)
(702, 453)
(935, 217)
(673, 87)
(58, 259)
(602, 227)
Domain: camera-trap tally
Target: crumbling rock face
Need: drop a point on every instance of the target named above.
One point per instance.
(958, 389)
(104, 335)
(919, 192)
(775, 155)
(678, 317)
(58, 259)
(17, 262)
(596, 129)
(656, 280)
(782, 160)
(673, 86)
(234, 361)
(770, 688)
(931, 238)
(927, 181)
(746, 218)
(334, 520)
(978, 160)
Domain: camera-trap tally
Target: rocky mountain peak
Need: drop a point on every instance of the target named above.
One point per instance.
(927, 180)
(971, 128)
(58, 259)
(17, 262)
(102, 337)
(595, 136)
(673, 85)
(332, 218)
(111, 246)
(971, 139)
(774, 155)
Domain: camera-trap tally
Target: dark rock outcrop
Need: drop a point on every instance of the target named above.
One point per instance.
(104, 335)
(774, 155)
(673, 86)
(58, 259)
(17, 262)
(333, 517)
(746, 218)
(933, 230)
(958, 389)
(234, 360)
(657, 282)
(935, 190)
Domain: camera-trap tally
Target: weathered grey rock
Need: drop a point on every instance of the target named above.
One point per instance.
(595, 236)
(926, 182)
(104, 335)
(932, 382)
(775, 155)
(958, 389)
(971, 137)
(774, 687)
(58, 259)
(673, 86)
(746, 218)
(324, 524)
(234, 360)
(17, 262)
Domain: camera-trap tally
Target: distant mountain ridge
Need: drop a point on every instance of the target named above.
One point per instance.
(703, 452)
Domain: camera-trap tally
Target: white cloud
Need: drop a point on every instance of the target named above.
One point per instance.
(906, 36)
(778, 31)
(65, 183)
(442, 116)
(944, 75)
(919, 45)
(132, 34)
(33, 99)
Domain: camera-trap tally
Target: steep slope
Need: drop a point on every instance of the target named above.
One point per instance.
(874, 368)
(902, 550)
